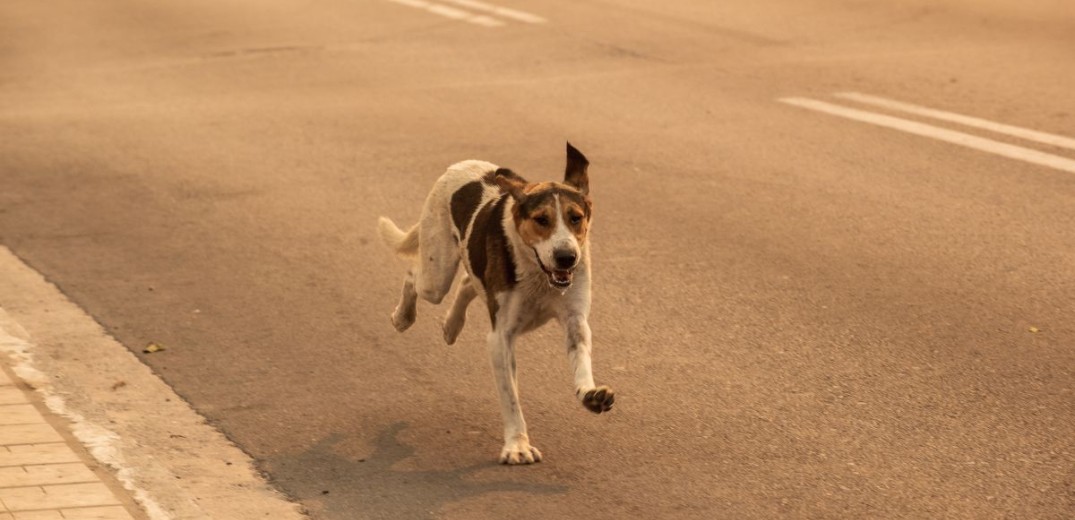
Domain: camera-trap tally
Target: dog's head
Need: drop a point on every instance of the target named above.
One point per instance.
(553, 218)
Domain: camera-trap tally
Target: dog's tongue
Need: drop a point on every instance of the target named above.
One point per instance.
(563, 277)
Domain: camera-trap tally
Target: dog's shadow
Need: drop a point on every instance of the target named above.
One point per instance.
(371, 488)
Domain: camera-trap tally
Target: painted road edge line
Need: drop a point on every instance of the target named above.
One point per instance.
(172, 461)
(941, 134)
(505, 12)
(451, 12)
(952, 117)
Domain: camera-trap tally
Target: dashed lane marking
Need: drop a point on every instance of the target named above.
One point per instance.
(974, 122)
(463, 15)
(941, 134)
(504, 12)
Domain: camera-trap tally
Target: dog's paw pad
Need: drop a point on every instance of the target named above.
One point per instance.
(599, 399)
(403, 320)
(519, 453)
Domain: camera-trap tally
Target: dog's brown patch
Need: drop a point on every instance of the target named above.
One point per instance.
(535, 215)
(490, 255)
(500, 176)
(575, 210)
(464, 203)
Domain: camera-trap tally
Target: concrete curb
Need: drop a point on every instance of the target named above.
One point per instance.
(174, 464)
(44, 472)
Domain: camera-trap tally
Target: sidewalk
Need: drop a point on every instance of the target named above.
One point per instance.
(43, 473)
(114, 441)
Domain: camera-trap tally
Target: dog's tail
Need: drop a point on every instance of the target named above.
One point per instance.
(404, 244)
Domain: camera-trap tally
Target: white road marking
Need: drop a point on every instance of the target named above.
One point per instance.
(448, 12)
(984, 124)
(942, 134)
(486, 21)
(506, 12)
(451, 12)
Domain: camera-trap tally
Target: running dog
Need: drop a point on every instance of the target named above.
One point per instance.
(525, 251)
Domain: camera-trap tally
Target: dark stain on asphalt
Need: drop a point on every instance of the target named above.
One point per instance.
(371, 488)
(231, 53)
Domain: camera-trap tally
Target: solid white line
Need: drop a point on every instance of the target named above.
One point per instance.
(992, 126)
(941, 134)
(506, 12)
(451, 12)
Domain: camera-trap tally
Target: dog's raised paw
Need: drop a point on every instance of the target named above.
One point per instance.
(599, 399)
(519, 452)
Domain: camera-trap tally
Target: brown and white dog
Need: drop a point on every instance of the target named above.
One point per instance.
(525, 250)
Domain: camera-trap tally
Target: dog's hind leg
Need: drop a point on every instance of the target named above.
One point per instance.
(405, 313)
(457, 315)
(438, 247)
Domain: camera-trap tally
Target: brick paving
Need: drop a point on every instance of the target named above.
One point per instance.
(41, 475)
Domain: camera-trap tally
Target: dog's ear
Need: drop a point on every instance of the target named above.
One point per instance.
(510, 182)
(575, 174)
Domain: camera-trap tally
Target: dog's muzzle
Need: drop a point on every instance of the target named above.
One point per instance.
(558, 278)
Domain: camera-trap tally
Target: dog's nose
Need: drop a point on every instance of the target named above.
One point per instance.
(565, 259)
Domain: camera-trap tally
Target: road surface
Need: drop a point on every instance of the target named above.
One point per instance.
(806, 311)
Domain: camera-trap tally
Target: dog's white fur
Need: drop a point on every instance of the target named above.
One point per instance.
(438, 248)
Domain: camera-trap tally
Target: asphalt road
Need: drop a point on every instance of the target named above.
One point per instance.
(804, 316)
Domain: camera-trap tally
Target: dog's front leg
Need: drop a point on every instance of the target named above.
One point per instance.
(596, 399)
(517, 448)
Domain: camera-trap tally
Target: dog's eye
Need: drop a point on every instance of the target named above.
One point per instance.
(575, 219)
(542, 220)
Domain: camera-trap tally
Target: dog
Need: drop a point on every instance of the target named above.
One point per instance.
(525, 251)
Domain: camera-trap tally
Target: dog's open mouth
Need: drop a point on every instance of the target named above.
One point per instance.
(558, 278)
